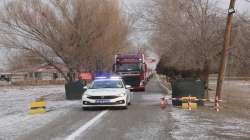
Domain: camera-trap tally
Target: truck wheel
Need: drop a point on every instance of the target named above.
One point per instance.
(143, 89)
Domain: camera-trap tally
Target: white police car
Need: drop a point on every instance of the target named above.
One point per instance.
(107, 92)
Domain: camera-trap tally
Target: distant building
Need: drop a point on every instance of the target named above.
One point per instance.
(42, 72)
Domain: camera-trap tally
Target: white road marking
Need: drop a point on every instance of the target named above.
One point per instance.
(85, 126)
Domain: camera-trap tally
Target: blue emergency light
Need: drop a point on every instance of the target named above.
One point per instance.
(101, 75)
(105, 75)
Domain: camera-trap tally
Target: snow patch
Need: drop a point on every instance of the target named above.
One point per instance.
(193, 125)
(15, 102)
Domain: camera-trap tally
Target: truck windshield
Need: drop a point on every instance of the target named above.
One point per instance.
(128, 67)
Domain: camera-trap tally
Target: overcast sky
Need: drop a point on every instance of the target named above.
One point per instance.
(241, 6)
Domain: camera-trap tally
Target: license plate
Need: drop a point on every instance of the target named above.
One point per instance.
(102, 101)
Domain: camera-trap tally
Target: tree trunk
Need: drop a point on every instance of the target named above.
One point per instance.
(71, 76)
(205, 78)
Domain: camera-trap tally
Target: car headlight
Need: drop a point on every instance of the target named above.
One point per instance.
(86, 95)
(122, 94)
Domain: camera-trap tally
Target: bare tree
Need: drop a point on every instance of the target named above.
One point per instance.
(189, 36)
(239, 62)
(79, 32)
(21, 59)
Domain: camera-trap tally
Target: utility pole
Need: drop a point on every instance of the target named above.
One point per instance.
(225, 53)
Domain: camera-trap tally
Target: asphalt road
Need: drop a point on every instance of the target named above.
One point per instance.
(142, 120)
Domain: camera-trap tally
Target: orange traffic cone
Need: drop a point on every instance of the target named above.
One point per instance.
(163, 103)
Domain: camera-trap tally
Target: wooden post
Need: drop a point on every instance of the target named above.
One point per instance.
(226, 46)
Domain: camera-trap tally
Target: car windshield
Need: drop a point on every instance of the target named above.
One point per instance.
(128, 67)
(106, 84)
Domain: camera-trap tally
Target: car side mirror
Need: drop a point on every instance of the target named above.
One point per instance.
(128, 87)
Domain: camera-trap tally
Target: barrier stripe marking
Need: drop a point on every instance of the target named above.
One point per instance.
(86, 126)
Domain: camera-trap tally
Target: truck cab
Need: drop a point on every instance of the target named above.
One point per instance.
(132, 69)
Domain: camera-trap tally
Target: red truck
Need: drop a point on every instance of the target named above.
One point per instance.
(133, 70)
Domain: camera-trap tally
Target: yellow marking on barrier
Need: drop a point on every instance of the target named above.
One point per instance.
(188, 98)
(192, 105)
(39, 104)
(38, 107)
